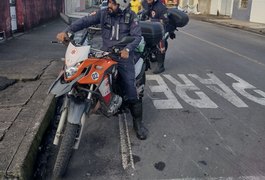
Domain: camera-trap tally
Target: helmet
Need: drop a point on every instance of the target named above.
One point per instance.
(123, 4)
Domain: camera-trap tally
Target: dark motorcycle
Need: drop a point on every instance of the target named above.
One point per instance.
(177, 19)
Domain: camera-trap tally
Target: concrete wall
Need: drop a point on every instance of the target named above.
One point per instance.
(5, 19)
(204, 6)
(183, 3)
(73, 6)
(241, 13)
(190, 5)
(38, 11)
(29, 13)
(226, 7)
(257, 11)
(215, 7)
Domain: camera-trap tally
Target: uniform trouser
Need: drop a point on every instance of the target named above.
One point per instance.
(127, 80)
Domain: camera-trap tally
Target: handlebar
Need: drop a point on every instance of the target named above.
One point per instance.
(56, 42)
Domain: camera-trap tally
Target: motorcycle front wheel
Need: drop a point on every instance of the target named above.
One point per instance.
(65, 150)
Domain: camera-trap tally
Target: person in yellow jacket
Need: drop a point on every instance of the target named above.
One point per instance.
(135, 6)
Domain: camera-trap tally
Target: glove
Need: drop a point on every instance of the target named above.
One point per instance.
(124, 53)
(62, 37)
(172, 35)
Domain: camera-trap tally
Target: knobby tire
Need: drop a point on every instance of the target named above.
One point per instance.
(65, 150)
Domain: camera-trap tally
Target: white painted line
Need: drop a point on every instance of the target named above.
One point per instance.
(240, 86)
(171, 102)
(208, 121)
(214, 82)
(128, 141)
(226, 49)
(222, 178)
(123, 144)
(182, 88)
(126, 150)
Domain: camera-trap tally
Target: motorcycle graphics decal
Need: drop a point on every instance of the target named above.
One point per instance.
(74, 51)
(95, 76)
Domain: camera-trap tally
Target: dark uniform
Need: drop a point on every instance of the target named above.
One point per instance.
(157, 12)
(114, 28)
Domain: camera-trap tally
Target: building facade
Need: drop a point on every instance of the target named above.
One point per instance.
(249, 10)
(245, 10)
(22, 15)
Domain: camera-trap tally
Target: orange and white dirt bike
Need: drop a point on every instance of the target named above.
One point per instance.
(88, 82)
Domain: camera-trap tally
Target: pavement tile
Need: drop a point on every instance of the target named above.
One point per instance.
(24, 133)
(5, 82)
(22, 69)
(23, 161)
(8, 115)
(18, 94)
(52, 70)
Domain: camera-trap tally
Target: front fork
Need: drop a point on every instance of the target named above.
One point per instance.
(70, 118)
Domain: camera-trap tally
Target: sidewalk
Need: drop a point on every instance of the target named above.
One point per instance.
(227, 21)
(28, 65)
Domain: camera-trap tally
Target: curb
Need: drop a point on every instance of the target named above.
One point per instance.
(212, 19)
(22, 165)
(43, 118)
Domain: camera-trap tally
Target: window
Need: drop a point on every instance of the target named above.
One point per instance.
(243, 3)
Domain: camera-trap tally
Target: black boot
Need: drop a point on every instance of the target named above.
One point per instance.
(160, 63)
(137, 114)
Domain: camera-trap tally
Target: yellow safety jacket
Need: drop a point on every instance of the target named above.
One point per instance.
(135, 5)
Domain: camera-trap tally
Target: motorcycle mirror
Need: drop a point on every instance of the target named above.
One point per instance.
(66, 19)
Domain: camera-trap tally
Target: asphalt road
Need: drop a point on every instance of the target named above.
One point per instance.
(205, 114)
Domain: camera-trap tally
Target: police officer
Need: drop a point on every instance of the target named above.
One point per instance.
(154, 10)
(118, 21)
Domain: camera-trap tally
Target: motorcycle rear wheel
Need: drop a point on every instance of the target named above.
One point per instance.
(65, 150)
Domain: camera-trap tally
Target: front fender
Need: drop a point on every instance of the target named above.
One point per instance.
(59, 87)
(76, 108)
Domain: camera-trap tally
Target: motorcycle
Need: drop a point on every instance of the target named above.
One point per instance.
(88, 82)
(177, 19)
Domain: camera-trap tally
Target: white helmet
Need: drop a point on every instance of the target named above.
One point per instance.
(123, 4)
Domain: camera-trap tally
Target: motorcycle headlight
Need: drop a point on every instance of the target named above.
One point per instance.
(70, 71)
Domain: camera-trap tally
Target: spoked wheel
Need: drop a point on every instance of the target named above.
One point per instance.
(65, 150)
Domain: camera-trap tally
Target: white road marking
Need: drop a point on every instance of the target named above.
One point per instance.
(208, 121)
(241, 87)
(226, 49)
(126, 150)
(203, 101)
(224, 90)
(222, 178)
(171, 102)
(181, 89)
